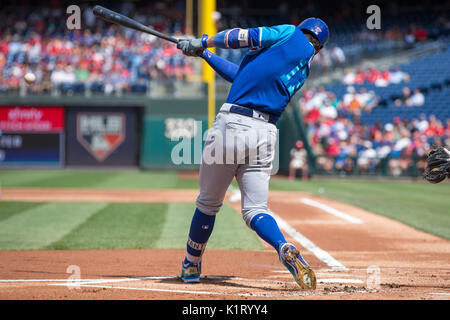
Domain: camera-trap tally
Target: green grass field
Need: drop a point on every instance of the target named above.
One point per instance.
(76, 225)
(56, 225)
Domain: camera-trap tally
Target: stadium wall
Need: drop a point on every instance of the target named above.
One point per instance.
(101, 132)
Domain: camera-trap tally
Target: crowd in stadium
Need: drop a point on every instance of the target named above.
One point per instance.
(380, 78)
(101, 54)
(112, 59)
(315, 103)
(342, 141)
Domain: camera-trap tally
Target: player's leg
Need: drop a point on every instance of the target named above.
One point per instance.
(254, 186)
(253, 180)
(214, 179)
(254, 194)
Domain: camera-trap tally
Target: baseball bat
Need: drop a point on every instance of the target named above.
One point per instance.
(120, 19)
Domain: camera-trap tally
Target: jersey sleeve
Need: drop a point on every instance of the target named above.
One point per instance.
(265, 37)
(224, 68)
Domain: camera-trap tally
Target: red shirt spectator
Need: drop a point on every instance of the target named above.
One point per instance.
(312, 116)
(431, 130)
(4, 47)
(386, 75)
(360, 76)
(332, 148)
(420, 34)
(372, 75)
(447, 129)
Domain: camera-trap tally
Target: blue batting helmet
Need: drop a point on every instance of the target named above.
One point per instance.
(317, 27)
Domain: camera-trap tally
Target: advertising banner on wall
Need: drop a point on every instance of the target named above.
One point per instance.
(31, 119)
(102, 136)
(31, 136)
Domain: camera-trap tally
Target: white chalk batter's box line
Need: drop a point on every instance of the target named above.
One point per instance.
(321, 254)
(102, 283)
(108, 284)
(331, 210)
(73, 282)
(97, 281)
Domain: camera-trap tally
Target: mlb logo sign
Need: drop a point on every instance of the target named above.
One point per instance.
(100, 133)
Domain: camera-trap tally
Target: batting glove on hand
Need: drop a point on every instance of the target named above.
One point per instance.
(192, 47)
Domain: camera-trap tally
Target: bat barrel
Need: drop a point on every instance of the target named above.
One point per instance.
(122, 20)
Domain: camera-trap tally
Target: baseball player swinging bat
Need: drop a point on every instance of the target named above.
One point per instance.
(274, 69)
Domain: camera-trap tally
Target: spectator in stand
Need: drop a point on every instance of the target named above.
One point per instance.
(384, 79)
(423, 124)
(360, 76)
(417, 99)
(367, 158)
(435, 128)
(331, 147)
(337, 56)
(348, 97)
(328, 111)
(409, 37)
(400, 160)
(372, 74)
(298, 161)
(398, 76)
(368, 100)
(405, 100)
(420, 34)
(349, 77)
(344, 163)
(355, 105)
(318, 99)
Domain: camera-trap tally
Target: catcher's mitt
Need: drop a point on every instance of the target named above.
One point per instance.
(438, 165)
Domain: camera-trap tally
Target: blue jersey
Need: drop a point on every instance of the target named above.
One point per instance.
(273, 70)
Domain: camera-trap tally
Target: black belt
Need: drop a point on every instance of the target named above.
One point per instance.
(249, 112)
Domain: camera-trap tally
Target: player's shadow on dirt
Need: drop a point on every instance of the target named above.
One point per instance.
(226, 281)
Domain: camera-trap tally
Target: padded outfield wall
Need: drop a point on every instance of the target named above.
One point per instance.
(100, 131)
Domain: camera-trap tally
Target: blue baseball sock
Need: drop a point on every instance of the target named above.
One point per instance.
(267, 228)
(201, 228)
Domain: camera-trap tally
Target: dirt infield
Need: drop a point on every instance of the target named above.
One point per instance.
(356, 255)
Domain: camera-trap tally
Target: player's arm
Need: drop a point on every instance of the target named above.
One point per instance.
(224, 68)
(261, 37)
(234, 39)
